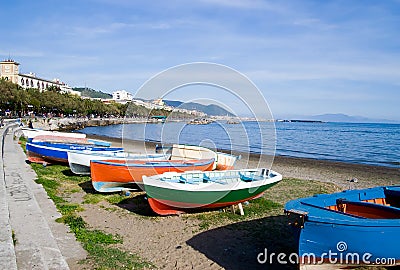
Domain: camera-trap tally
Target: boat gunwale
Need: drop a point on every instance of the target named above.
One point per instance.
(155, 181)
(317, 213)
(199, 162)
(87, 147)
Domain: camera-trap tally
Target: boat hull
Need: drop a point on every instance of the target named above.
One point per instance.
(57, 153)
(161, 203)
(353, 245)
(113, 172)
(32, 133)
(79, 161)
(363, 227)
(171, 194)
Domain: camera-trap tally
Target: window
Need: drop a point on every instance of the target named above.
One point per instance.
(31, 83)
(22, 81)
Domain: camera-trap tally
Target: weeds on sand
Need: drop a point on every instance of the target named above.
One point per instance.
(58, 182)
(96, 198)
(271, 204)
(252, 210)
(14, 238)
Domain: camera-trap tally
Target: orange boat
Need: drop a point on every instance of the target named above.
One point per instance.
(116, 175)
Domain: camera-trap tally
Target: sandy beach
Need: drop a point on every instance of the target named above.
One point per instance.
(183, 242)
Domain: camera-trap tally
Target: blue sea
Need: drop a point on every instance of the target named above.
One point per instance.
(360, 143)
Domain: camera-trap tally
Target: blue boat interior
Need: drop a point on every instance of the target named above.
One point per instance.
(373, 203)
(219, 177)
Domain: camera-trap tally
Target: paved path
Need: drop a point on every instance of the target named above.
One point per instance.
(41, 243)
(7, 253)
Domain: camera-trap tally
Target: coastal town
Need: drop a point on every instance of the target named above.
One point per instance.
(9, 71)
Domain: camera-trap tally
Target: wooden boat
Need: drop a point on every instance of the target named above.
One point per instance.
(224, 161)
(354, 225)
(31, 133)
(114, 175)
(175, 193)
(79, 161)
(57, 152)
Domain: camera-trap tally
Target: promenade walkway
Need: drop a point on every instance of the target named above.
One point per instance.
(29, 236)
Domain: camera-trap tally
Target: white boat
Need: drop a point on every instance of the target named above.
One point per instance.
(31, 133)
(175, 193)
(224, 161)
(79, 161)
(51, 139)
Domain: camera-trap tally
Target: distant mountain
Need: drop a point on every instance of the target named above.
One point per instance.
(212, 109)
(88, 92)
(173, 103)
(339, 117)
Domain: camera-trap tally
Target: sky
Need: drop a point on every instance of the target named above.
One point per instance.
(306, 57)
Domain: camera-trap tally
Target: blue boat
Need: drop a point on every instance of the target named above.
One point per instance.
(58, 152)
(353, 227)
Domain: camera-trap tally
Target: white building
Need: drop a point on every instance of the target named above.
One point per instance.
(121, 96)
(9, 70)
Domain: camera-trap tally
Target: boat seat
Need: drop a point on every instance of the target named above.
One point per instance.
(381, 201)
(367, 209)
(250, 177)
(216, 179)
(194, 179)
(333, 207)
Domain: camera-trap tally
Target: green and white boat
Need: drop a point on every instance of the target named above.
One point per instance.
(174, 193)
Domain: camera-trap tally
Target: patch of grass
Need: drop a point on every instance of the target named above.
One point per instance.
(93, 237)
(58, 181)
(254, 208)
(115, 198)
(48, 183)
(51, 188)
(291, 188)
(261, 206)
(109, 209)
(69, 208)
(113, 258)
(271, 204)
(14, 238)
(111, 198)
(93, 198)
(22, 141)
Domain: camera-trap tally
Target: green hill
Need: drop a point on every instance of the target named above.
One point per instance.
(211, 109)
(88, 92)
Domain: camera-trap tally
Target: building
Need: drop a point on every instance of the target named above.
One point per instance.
(121, 96)
(159, 102)
(9, 70)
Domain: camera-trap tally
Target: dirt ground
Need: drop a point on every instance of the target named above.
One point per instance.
(180, 242)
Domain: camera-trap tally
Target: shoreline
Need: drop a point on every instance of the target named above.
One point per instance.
(339, 173)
